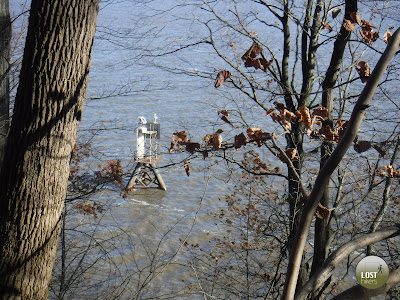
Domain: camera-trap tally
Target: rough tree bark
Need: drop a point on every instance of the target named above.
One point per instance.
(34, 175)
(331, 164)
(5, 38)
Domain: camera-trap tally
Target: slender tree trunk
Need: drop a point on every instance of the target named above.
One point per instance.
(331, 76)
(309, 45)
(35, 171)
(5, 38)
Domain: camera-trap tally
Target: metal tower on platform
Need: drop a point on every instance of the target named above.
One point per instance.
(145, 173)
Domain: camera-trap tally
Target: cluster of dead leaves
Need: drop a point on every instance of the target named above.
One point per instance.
(290, 155)
(256, 135)
(79, 153)
(389, 171)
(286, 117)
(250, 58)
(315, 118)
(180, 139)
(113, 170)
(88, 208)
(367, 29)
(326, 133)
(367, 32)
(362, 67)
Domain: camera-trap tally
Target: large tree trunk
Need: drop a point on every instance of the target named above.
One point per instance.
(35, 171)
(5, 38)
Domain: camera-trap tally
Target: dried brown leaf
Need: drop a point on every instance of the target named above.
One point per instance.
(214, 140)
(292, 154)
(336, 12)
(327, 26)
(321, 113)
(257, 135)
(253, 51)
(221, 78)
(369, 35)
(240, 140)
(264, 63)
(252, 132)
(363, 70)
(225, 119)
(209, 139)
(178, 138)
(187, 168)
(322, 212)
(362, 146)
(348, 25)
(355, 18)
(367, 32)
(303, 114)
(288, 115)
(279, 106)
(205, 154)
(223, 112)
(367, 25)
(379, 149)
(192, 147)
(217, 140)
(327, 134)
(284, 117)
(250, 59)
(387, 36)
(257, 63)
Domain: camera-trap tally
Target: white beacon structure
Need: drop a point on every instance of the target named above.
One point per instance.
(145, 172)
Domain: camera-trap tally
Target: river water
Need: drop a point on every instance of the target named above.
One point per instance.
(124, 239)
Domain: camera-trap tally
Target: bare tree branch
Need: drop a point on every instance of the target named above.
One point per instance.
(336, 257)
